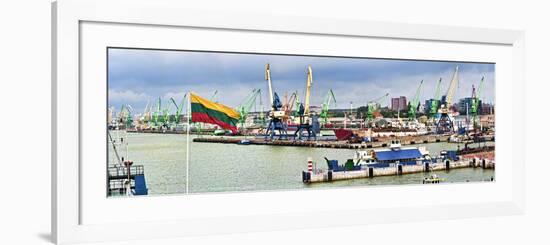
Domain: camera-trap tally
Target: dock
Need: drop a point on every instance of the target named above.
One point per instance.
(383, 142)
(318, 176)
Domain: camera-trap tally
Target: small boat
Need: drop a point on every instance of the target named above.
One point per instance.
(433, 179)
(243, 142)
(219, 131)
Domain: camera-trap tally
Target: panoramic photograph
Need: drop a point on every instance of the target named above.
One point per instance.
(198, 122)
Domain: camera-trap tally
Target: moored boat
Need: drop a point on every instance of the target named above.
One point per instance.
(395, 154)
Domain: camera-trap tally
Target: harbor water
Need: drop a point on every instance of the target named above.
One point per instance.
(215, 167)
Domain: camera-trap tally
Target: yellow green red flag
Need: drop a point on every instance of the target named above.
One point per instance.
(206, 111)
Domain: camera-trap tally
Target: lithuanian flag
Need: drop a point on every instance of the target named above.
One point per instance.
(206, 111)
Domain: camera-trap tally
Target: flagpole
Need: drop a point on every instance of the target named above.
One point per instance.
(187, 146)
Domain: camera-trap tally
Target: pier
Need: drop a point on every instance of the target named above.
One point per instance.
(383, 142)
(318, 176)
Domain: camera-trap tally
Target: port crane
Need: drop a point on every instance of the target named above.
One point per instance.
(326, 104)
(436, 101)
(445, 123)
(246, 105)
(306, 121)
(144, 117)
(179, 108)
(156, 113)
(414, 105)
(289, 104)
(372, 106)
(125, 115)
(474, 110)
(297, 104)
(166, 115)
(276, 114)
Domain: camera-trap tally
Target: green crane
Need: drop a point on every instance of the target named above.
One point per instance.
(129, 117)
(297, 104)
(373, 105)
(326, 104)
(474, 108)
(246, 105)
(179, 108)
(434, 106)
(413, 106)
(156, 113)
(166, 114)
(125, 115)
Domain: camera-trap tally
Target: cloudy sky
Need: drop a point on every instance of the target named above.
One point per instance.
(138, 76)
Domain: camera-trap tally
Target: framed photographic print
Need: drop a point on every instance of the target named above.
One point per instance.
(186, 122)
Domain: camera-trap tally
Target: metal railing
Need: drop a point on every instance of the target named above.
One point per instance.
(121, 171)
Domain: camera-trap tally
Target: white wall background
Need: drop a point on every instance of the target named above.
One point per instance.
(25, 135)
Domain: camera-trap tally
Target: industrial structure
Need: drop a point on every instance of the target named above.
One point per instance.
(295, 114)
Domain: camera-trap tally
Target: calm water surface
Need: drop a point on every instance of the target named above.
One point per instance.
(218, 167)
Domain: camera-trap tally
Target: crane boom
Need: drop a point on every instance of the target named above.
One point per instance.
(371, 105)
(179, 108)
(175, 104)
(331, 96)
(246, 105)
(476, 97)
(480, 87)
(268, 79)
(436, 100)
(214, 96)
(438, 89)
(413, 107)
(417, 94)
(308, 89)
(146, 106)
(326, 105)
(452, 88)
(379, 99)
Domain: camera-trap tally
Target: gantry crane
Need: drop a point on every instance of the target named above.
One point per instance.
(445, 122)
(326, 104)
(276, 114)
(414, 105)
(306, 121)
(476, 101)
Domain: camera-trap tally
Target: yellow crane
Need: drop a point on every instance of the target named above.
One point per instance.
(276, 114)
(309, 82)
(306, 122)
(445, 123)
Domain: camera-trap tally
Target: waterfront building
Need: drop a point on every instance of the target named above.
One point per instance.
(399, 103)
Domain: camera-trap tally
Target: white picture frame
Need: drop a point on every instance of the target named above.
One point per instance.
(69, 197)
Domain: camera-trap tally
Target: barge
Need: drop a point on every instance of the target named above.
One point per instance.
(393, 161)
